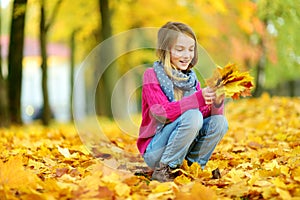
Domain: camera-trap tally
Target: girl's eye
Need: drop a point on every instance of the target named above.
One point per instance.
(179, 49)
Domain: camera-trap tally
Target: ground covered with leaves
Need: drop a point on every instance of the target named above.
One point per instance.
(259, 158)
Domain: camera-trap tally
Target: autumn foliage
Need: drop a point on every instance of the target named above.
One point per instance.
(257, 159)
(231, 81)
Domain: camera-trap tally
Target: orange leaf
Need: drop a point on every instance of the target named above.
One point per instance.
(104, 192)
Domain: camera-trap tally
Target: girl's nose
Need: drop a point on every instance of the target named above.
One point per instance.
(186, 54)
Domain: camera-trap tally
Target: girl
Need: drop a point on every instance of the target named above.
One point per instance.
(179, 119)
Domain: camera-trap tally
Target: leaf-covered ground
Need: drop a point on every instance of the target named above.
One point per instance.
(259, 158)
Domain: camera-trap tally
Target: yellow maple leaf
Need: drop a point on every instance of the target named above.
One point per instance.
(195, 169)
(182, 180)
(235, 176)
(64, 151)
(230, 81)
(284, 194)
(296, 174)
(199, 191)
(122, 189)
(162, 187)
(13, 174)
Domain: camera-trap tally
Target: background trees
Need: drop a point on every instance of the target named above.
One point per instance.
(281, 20)
(45, 25)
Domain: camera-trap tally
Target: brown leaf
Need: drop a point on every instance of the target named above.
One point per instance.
(254, 145)
(104, 192)
(61, 171)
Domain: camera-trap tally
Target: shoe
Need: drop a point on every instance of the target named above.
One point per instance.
(163, 173)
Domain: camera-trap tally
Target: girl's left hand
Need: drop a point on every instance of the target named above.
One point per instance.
(209, 95)
(219, 100)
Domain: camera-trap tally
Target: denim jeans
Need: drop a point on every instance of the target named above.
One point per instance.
(188, 137)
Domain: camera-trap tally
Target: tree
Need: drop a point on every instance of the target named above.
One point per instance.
(110, 73)
(81, 35)
(72, 69)
(15, 57)
(4, 117)
(4, 114)
(282, 19)
(44, 28)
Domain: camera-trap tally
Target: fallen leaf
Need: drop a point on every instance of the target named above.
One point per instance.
(13, 174)
(104, 192)
(122, 190)
(284, 194)
(64, 151)
(61, 171)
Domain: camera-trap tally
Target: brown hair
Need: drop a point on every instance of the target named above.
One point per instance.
(166, 37)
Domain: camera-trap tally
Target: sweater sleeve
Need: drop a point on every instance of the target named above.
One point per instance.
(159, 105)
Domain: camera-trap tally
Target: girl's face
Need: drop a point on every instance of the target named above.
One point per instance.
(182, 52)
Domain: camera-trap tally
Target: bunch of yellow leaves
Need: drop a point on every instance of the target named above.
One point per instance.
(231, 81)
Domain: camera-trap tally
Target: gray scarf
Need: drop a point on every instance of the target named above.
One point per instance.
(188, 86)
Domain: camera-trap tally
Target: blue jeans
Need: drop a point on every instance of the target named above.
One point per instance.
(188, 137)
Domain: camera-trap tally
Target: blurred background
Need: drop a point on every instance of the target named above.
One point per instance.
(43, 44)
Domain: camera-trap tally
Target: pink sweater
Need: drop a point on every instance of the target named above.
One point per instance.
(156, 106)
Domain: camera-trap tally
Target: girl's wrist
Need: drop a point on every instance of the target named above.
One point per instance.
(218, 104)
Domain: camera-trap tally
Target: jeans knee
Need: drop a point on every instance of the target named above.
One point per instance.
(222, 123)
(193, 118)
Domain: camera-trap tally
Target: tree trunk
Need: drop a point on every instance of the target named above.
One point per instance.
(261, 68)
(44, 27)
(292, 88)
(110, 75)
(15, 57)
(43, 43)
(260, 77)
(4, 115)
(72, 66)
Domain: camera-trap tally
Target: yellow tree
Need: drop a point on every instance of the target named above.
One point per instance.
(45, 25)
(223, 27)
(75, 24)
(226, 29)
(78, 25)
(239, 36)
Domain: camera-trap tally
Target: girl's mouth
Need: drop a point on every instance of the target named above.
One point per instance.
(184, 62)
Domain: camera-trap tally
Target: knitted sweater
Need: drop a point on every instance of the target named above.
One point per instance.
(157, 108)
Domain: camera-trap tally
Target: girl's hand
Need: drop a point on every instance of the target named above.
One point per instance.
(209, 95)
(219, 100)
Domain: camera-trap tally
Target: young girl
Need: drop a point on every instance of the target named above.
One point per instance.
(179, 119)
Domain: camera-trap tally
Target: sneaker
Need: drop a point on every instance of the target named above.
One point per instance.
(163, 173)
